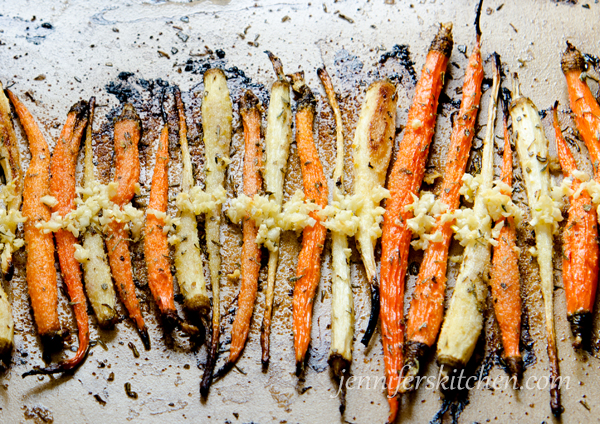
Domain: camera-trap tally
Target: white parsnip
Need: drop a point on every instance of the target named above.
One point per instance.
(188, 262)
(342, 303)
(464, 319)
(217, 117)
(372, 150)
(98, 281)
(532, 148)
(277, 148)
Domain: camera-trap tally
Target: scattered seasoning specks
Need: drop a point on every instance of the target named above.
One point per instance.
(346, 18)
(40, 77)
(130, 393)
(164, 54)
(184, 19)
(48, 25)
(77, 79)
(134, 349)
(99, 399)
(174, 50)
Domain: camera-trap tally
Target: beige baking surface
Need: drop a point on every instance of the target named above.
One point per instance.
(90, 42)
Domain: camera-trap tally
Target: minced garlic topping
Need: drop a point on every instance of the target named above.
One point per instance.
(9, 220)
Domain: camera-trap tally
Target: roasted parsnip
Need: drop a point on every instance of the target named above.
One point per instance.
(372, 146)
(11, 165)
(532, 147)
(98, 281)
(188, 262)
(464, 318)
(217, 118)
(277, 143)
(342, 304)
(580, 246)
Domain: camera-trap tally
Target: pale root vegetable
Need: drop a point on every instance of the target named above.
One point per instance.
(342, 303)
(217, 116)
(98, 281)
(464, 319)
(277, 146)
(189, 268)
(532, 148)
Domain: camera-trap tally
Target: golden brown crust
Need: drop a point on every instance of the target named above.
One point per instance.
(443, 40)
(572, 59)
(382, 128)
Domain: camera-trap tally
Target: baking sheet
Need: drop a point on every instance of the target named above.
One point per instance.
(87, 46)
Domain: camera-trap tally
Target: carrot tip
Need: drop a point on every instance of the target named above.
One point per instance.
(515, 366)
(374, 314)
(299, 368)
(414, 352)
(580, 325)
(143, 332)
(393, 402)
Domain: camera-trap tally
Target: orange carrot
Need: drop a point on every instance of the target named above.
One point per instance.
(41, 274)
(62, 186)
(584, 105)
(580, 247)
(156, 247)
(251, 118)
(505, 279)
(405, 180)
(308, 271)
(128, 130)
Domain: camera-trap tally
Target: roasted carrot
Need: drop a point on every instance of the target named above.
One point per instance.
(308, 270)
(188, 262)
(532, 147)
(463, 321)
(62, 187)
(128, 130)
(216, 123)
(277, 142)
(156, 247)
(505, 279)
(251, 119)
(98, 281)
(342, 303)
(41, 274)
(584, 105)
(580, 247)
(404, 181)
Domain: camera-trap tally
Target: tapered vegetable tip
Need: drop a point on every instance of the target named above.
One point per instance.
(572, 59)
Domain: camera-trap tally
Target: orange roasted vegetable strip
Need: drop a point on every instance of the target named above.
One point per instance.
(505, 278)
(62, 186)
(156, 247)
(251, 256)
(308, 271)
(405, 179)
(41, 274)
(128, 130)
(585, 107)
(580, 248)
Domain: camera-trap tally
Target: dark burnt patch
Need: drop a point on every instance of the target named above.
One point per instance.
(401, 54)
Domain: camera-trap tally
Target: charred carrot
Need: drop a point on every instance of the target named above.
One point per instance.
(98, 281)
(216, 122)
(532, 147)
(41, 274)
(62, 188)
(580, 247)
(404, 181)
(464, 318)
(277, 142)
(188, 262)
(342, 303)
(251, 118)
(585, 107)
(128, 130)
(505, 279)
(308, 270)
